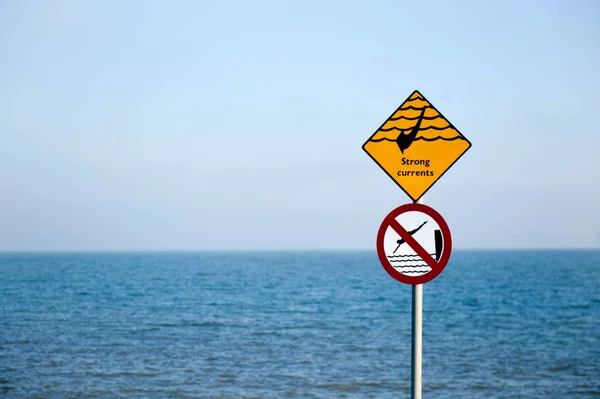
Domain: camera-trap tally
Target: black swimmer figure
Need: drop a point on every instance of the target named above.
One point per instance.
(405, 140)
(401, 241)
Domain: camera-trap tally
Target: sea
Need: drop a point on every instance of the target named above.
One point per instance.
(496, 324)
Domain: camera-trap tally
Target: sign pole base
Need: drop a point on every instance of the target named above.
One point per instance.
(417, 341)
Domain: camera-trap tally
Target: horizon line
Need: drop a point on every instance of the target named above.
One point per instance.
(50, 251)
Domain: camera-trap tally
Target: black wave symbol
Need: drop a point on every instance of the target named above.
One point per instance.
(427, 118)
(440, 138)
(417, 97)
(415, 271)
(411, 107)
(405, 261)
(422, 138)
(408, 263)
(403, 256)
(420, 129)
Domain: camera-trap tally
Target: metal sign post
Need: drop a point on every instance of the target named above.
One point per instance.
(416, 381)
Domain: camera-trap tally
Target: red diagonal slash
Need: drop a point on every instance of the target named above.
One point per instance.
(413, 244)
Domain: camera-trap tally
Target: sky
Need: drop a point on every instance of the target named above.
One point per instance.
(205, 125)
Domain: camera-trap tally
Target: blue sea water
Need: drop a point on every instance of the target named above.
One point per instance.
(505, 324)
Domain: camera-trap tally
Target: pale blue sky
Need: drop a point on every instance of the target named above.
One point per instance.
(238, 125)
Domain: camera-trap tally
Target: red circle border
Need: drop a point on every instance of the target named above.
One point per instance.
(446, 250)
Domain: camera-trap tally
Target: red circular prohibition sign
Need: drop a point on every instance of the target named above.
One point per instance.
(436, 267)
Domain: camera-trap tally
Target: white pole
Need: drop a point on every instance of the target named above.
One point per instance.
(416, 381)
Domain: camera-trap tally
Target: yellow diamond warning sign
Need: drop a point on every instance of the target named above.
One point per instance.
(416, 145)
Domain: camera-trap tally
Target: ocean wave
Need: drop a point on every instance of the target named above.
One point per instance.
(127, 374)
(193, 324)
